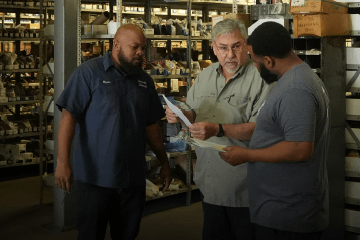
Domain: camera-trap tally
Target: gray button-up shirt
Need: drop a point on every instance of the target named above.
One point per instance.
(234, 102)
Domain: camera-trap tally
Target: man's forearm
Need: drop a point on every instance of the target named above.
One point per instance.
(281, 152)
(65, 136)
(242, 131)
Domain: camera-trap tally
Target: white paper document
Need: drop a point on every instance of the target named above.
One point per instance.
(204, 144)
(177, 111)
(182, 136)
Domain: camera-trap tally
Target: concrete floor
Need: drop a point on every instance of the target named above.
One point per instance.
(21, 216)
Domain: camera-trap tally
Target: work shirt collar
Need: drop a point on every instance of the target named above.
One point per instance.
(108, 62)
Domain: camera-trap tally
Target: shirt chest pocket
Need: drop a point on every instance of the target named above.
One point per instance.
(237, 100)
(107, 95)
(205, 96)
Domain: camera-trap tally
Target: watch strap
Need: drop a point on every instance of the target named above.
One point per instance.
(221, 131)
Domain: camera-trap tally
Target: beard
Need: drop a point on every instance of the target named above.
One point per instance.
(231, 70)
(129, 66)
(267, 75)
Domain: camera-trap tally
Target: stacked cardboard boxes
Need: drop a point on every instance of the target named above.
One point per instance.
(320, 18)
(16, 154)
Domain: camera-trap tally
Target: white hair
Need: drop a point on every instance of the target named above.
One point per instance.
(228, 25)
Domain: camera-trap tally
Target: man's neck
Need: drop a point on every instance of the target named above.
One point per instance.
(226, 74)
(288, 63)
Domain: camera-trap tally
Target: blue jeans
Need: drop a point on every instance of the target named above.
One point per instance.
(97, 206)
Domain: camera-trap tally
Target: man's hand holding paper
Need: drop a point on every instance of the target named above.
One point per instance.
(175, 110)
(204, 130)
(170, 116)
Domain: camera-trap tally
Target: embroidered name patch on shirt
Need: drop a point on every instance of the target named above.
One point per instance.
(142, 84)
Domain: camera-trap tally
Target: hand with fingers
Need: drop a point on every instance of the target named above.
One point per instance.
(165, 176)
(234, 155)
(203, 130)
(171, 117)
(63, 176)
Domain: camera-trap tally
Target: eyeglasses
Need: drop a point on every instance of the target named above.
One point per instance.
(224, 49)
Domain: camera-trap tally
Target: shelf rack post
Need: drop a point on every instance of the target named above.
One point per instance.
(188, 156)
(205, 43)
(66, 60)
(119, 12)
(41, 97)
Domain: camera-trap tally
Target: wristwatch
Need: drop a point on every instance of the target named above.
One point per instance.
(221, 131)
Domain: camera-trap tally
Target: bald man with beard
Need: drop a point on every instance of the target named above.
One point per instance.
(110, 110)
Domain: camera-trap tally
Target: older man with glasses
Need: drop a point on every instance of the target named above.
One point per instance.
(222, 106)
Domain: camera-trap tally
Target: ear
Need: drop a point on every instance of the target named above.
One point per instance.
(116, 44)
(269, 62)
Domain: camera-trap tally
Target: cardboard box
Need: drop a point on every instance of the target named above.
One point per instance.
(321, 25)
(316, 6)
(99, 29)
(17, 149)
(17, 159)
(352, 189)
(88, 6)
(86, 30)
(32, 25)
(352, 164)
(96, 49)
(243, 17)
(148, 31)
(352, 106)
(354, 22)
(352, 218)
(205, 63)
(352, 56)
(28, 158)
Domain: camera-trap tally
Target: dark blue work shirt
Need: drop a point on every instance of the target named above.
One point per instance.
(111, 110)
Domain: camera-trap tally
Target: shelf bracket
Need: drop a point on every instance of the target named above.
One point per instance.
(7, 107)
(353, 135)
(353, 79)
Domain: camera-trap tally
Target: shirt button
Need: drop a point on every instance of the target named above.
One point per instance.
(221, 86)
(208, 175)
(214, 116)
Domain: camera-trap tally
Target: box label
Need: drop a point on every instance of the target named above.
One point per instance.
(297, 3)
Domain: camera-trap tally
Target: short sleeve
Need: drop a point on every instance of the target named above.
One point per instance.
(156, 109)
(296, 112)
(259, 99)
(76, 96)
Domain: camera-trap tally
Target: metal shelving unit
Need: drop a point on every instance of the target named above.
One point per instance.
(38, 37)
(352, 174)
